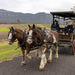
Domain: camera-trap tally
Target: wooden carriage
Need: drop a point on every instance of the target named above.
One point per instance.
(65, 40)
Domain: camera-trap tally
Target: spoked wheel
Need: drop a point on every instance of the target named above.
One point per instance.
(73, 47)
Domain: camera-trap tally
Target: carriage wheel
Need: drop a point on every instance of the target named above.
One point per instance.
(73, 48)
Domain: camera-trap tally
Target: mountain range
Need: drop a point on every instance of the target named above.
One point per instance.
(16, 17)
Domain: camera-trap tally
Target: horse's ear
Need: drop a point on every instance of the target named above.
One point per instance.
(33, 25)
(12, 28)
(29, 26)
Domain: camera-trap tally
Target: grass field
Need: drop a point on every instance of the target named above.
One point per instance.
(4, 29)
(8, 51)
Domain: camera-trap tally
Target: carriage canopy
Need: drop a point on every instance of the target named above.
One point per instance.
(65, 15)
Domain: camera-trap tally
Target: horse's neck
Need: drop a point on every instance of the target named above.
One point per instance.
(39, 34)
(20, 37)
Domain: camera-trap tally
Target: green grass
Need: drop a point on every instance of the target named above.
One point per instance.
(8, 51)
(4, 29)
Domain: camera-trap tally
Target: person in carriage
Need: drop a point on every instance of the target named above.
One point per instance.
(55, 26)
(69, 29)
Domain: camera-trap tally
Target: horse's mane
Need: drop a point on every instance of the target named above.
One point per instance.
(39, 28)
(18, 30)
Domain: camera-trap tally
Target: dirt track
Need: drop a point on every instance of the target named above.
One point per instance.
(65, 65)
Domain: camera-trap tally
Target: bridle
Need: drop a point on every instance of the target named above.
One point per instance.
(13, 36)
(31, 37)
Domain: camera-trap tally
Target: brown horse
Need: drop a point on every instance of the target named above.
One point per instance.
(46, 42)
(52, 38)
(18, 34)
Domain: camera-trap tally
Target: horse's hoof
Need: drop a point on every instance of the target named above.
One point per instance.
(29, 57)
(49, 61)
(56, 57)
(41, 68)
(23, 63)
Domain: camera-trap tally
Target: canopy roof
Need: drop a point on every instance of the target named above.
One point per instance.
(64, 14)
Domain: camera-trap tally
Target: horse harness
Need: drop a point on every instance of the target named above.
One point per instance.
(36, 45)
(24, 42)
(44, 36)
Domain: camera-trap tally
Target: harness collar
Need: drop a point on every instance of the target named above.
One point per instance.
(24, 42)
(42, 41)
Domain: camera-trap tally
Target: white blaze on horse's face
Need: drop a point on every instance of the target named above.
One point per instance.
(29, 39)
(30, 33)
(9, 38)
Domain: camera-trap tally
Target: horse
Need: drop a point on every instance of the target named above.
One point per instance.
(18, 34)
(52, 38)
(45, 40)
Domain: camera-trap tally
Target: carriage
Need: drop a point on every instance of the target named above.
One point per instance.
(65, 40)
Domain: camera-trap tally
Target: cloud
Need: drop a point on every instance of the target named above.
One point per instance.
(34, 6)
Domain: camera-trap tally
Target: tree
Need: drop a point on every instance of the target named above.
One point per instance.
(18, 21)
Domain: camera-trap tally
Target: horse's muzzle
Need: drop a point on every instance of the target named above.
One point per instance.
(29, 41)
(9, 42)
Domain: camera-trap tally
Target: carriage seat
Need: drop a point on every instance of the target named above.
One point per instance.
(61, 30)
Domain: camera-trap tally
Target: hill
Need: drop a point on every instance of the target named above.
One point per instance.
(16, 17)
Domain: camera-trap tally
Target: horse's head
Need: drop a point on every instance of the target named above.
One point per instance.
(31, 34)
(11, 35)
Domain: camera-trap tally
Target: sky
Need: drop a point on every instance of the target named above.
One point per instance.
(35, 6)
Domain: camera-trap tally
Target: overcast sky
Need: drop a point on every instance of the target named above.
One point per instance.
(35, 6)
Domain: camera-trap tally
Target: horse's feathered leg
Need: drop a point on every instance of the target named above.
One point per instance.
(23, 61)
(50, 56)
(43, 58)
(27, 55)
(38, 53)
(56, 55)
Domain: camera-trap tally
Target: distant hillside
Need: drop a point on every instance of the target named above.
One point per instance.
(15, 17)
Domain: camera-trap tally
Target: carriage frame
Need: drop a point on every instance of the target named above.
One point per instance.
(65, 40)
